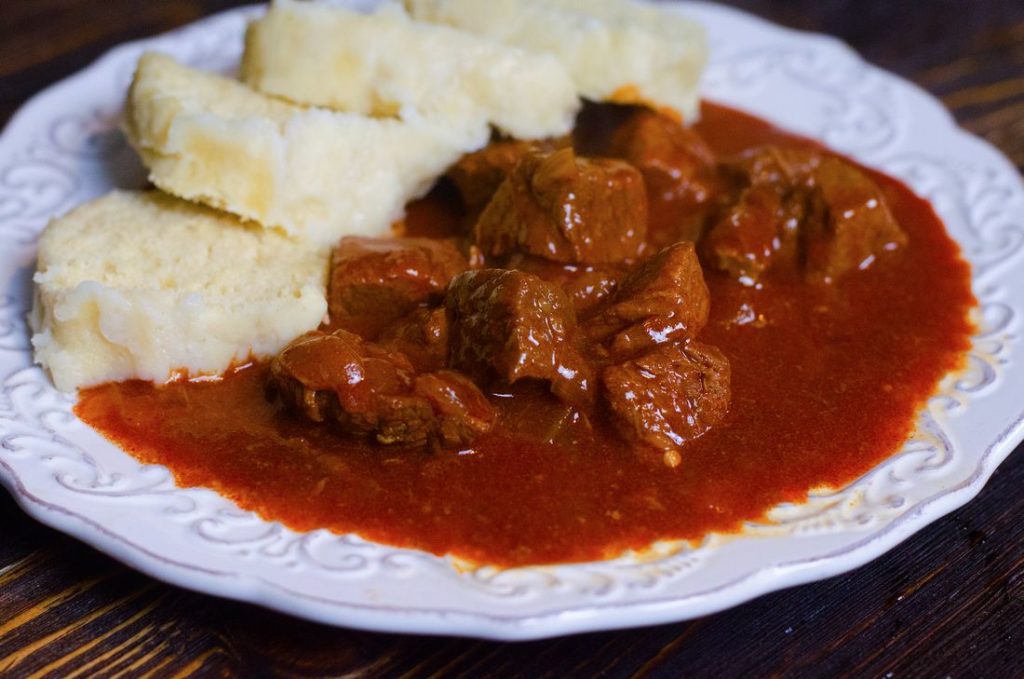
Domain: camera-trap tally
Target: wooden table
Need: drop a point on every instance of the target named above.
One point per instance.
(949, 601)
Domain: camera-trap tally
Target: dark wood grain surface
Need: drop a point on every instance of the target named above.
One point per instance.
(947, 602)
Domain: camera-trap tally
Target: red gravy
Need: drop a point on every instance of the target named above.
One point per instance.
(821, 393)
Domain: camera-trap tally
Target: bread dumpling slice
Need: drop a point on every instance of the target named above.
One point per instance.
(317, 175)
(383, 63)
(142, 285)
(615, 50)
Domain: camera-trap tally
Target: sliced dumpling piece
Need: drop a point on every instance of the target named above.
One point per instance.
(139, 284)
(382, 63)
(616, 50)
(316, 174)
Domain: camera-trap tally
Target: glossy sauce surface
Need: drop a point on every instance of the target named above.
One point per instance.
(826, 381)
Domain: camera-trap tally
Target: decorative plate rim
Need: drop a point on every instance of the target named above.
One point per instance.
(493, 604)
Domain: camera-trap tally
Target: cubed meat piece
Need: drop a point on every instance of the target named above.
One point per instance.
(567, 209)
(679, 172)
(422, 336)
(587, 285)
(858, 226)
(672, 156)
(782, 166)
(812, 207)
(744, 241)
(339, 376)
(462, 412)
(670, 395)
(372, 392)
(589, 288)
(515, 325)
(376, 281)
(478, 175)
(662, 300)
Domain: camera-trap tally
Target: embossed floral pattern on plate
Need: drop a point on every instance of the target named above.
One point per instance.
(64, 147)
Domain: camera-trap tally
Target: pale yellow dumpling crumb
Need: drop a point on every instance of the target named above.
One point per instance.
(382, 63)
(139, 284)
(615, 50)
(318, 175)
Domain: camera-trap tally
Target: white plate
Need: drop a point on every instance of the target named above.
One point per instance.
(63, 147)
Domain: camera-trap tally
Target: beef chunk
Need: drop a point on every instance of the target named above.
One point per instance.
(673, 157)
(478, 175)
(785, 167)
(663, 299)
(338, 376)
(857, 227)
(375, 281)
(801, 205)
(589, 288)
(515, 325)
(586, 285)
(372, 392)
(679, 172)
(745, 239)
(422, 336)
(773, 187)
(670, 395)
(461, 411)
(567, 209)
